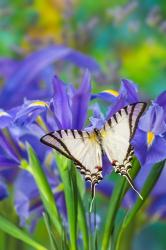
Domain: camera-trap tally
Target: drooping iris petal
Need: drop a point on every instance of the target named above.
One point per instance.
(80, 102)
(149, 154)
(156, 151)
(109, 95)
(29, 111)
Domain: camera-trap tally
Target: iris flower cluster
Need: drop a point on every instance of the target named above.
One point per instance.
(68, 108)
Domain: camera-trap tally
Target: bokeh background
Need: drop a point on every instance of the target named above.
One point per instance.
(126, 38)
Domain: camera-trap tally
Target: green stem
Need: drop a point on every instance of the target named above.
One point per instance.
(46, 194)
(68, 176)
(119, 191)
(147, 188)
(11, 229)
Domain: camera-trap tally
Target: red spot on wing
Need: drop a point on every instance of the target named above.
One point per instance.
(114, 162)
(99, 168)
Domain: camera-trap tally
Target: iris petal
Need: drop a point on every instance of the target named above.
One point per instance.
(153, 120)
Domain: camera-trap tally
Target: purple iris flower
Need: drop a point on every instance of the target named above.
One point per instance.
(150, 139)
(29, 121)
(70, 105)
(127, 94)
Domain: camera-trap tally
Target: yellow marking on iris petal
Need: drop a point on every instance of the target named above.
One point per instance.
(38, 103)
(112, 92)
(150, 138)
(41, 123)
(3, 113)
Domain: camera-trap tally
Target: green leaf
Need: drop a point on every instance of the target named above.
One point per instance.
(44, 189)
(83, 222)
(68, 176)
(49, 230)
(11, 229)
(147, 188)
(74, 190)
(120, 190)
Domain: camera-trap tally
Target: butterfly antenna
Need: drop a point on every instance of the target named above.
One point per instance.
(132, 185)
(93, 196)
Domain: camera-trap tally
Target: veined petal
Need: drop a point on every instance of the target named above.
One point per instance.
(60, 104)
(129, 90)
(157, 150)
(106, 95)
(119, 103)
(37, 104)
(80, 101)
(139, 143)
(149, 154)
(29, 111)
(153, 120)
(128, 94)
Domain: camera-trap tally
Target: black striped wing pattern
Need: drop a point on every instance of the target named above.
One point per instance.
(85, 149)
(81, 147)
(116, 136)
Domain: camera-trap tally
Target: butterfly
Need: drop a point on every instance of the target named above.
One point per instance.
(85, 148)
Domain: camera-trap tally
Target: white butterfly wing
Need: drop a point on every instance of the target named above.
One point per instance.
(81, 147)
(116, 136)
(118, 132)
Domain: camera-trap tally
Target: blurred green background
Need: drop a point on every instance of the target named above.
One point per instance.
(127, 38)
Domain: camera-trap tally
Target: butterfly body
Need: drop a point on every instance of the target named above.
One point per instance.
(85, 148)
